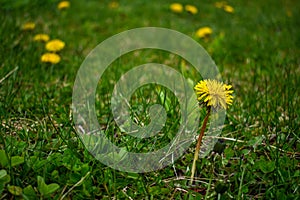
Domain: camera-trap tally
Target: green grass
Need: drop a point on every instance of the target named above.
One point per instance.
(256, 49)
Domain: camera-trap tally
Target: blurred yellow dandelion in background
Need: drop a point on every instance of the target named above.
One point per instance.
(28, 26)
(50, 58)
(204, 32)
(113, 4)
(225, 6)
(41, 37)
(214, 94)
(228, 9)
(220, 4)
(191, 9)
(55, 45)
(289, 13)
(63, 5)
(176, 7)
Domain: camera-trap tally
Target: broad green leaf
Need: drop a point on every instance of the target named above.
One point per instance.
(85, 168)
(29, 193)
(15, 190)
(3, 173)
(38, 164)
(74, 178)
(85, 189)
(266, 166)
(45, 189)
(55, 174)
(41, 185)
(297, 173)
(17, 160)
(52, 188)
(5, 179)
(3, 158)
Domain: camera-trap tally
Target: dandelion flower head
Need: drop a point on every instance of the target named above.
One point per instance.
(228, 9)
(225, 6)
(41, 37)
(191, 9)
(50, 58)
(55, 45)
(28, 26)
(63, 5)
(176, 7)
(113, 5)
(214, 94)
(204, 32)
(220, 4)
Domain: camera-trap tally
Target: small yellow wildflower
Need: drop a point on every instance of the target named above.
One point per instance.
(214, 93)
(289, 13)
(41, 37)
(50, 58)
(176, 7)
(203, 32)
(28, 26)
(55, 45)
(191, 9)
(63, 5)
(113, 5)
(228, 9)
(225, 6)
(220, 4)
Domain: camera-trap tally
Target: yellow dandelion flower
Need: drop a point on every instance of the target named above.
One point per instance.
(55, 45)
(28, 26)
(228, 9)
(220, 4)
(191, 9)
(113, 5)
(204, 32)
(63, 5)
(176, 7)
(50, 58)
(41, 37)
(214, 94)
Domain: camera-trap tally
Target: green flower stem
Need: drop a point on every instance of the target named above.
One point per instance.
(199, 145)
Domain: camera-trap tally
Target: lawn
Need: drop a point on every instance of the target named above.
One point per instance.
(256, 47)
